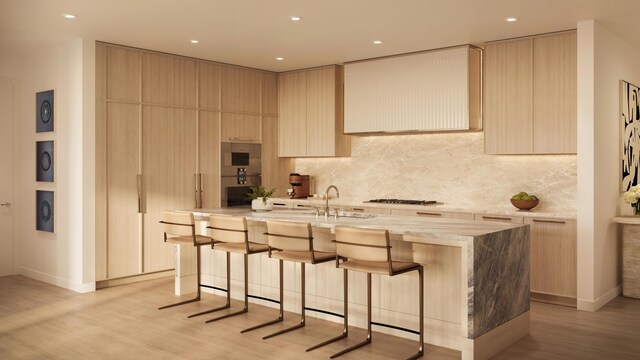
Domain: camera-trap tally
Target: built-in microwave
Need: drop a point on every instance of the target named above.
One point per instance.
(241, 168)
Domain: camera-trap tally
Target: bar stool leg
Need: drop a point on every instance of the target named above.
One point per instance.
(367, 341)
(345, 329)
(245, 308)
(302, 313)
(281, 314)
(197, 298)
(228, 303)
(421, 287)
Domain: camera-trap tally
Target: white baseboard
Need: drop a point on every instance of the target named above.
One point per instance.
(58, 281)
(595, 305)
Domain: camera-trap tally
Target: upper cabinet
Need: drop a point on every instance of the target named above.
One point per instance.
(530, 95)
(241, 89)
(311, 113)
(168, 80)
(437, 90)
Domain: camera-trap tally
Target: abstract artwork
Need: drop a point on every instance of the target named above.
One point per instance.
(44, 210)
(44, 161)
(44, 111)
(629, 134)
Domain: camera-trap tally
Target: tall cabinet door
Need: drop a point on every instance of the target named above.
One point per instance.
(209, 155)
(293, 114)
(555, 93)
(123, 161)
(168, 168)
(321, 112)
(508, 95)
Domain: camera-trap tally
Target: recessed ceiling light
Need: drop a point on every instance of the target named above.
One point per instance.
(377, 42)
(295, 18)
(511, 19)
(194, 41)
(69, 16)
(279, 58)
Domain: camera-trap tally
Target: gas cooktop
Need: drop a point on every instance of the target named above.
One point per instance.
(401, 201)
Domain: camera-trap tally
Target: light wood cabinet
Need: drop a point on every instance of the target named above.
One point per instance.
(123, 74)
(553, 257)
(209, 75)
(241, 128)
(168, 170)
(241, 89)
(123, 201)
(162, 117)
(168, 80)
(433, 214)
(311, 113)
(530, 95)
(555, 94)
(274, 168)
(499, 218)
(269, 93)
(508, 105)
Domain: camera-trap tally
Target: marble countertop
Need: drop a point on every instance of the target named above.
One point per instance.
(437, 207)
(629, 220)
(453, 229)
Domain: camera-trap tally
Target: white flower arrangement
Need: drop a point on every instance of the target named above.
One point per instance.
(632, 196)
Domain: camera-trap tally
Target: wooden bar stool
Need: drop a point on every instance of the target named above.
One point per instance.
(179, 229)
(230, 234)
(369, 251)
(290, 241)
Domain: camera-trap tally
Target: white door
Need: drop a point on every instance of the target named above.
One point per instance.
(6, 176)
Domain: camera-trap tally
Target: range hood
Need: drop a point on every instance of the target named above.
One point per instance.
(437, 90)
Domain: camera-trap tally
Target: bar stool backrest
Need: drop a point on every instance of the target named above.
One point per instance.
(284, 235)
(229, 229)
(363, 244)
(174, 223)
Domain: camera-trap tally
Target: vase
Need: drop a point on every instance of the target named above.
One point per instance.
(636, 208)
(259, 205)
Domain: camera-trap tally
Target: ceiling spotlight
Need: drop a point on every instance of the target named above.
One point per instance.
(295, 18)
(377, 42)
(194, 41)
(511, 19)
(69, 16)
(279, 58)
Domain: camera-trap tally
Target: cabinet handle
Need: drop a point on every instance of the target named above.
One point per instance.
(305, 206)
(6, 204)
(279, 204)
(427, 214)
(139, 186)
(196, 184)
(357, 209)
(550, 221)
(201, 189)
(496, 218)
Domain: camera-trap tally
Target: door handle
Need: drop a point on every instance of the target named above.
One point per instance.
(7, 204)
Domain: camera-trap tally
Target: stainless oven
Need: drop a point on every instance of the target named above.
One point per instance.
(241, 167)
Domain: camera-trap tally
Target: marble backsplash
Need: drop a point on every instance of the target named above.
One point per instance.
(450, 168)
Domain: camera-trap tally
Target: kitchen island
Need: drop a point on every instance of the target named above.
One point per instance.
(476, 277)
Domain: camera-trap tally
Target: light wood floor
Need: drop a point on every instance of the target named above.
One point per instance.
(41, 321)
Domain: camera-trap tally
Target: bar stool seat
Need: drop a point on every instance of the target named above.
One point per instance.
(377, 267)
(241, 248)
(188, 240)
(309, 257)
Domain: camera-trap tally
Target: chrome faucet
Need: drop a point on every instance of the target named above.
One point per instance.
(326, 195)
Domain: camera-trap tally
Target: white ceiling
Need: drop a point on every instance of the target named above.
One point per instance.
(254, 32)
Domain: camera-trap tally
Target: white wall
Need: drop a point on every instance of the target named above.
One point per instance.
(605, 60)
(65, 258)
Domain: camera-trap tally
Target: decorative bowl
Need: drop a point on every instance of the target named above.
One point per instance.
(525, 204)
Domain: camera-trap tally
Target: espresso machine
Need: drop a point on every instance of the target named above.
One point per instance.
(300, 185)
